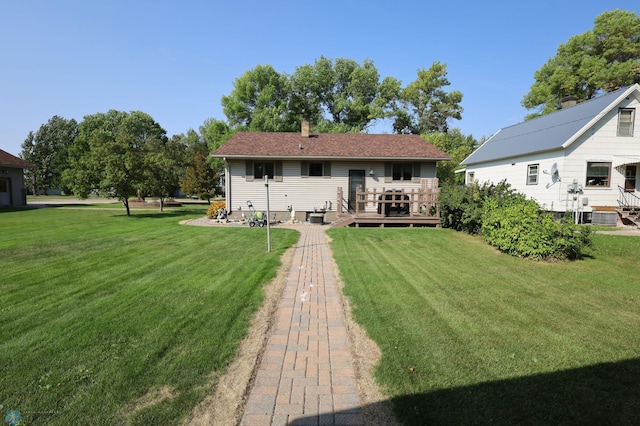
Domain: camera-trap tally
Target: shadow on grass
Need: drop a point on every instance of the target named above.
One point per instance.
(603, 394)
(15, 209)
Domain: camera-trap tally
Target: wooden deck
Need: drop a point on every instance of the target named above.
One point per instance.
(391, 207)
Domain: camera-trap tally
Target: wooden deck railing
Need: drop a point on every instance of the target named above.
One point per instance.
(388, 202)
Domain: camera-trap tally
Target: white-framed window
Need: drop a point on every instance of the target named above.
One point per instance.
(598, 174)
(626, 117)
(470, 178)
(532, 174)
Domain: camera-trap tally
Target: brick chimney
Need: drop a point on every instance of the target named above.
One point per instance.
(569, 101)
(305, 128)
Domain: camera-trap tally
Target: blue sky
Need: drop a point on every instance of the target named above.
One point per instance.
(175, 59)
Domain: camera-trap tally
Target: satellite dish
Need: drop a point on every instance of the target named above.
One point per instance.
(554, 171)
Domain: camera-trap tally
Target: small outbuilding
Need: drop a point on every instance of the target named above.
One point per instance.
(12, 189)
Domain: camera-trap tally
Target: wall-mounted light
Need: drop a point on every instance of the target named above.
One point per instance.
(5, 172)
(371, 173)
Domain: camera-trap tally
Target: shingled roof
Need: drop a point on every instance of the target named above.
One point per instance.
(285, 145)
(8, 160)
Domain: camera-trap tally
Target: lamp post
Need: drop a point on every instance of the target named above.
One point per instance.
(266, 184)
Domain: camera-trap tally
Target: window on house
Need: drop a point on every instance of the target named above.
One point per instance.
(532, 174)
(598, 174)
(315, 169)
(470, 178)
(260, 169)
(625, 121)
(402, 171)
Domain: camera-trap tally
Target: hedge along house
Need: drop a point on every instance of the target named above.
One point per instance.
(12, 189)
(341, 175)
(582, 159)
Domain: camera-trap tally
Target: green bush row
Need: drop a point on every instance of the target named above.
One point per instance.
(512, 223)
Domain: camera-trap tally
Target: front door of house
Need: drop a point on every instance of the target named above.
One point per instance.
(356, 183)
(630, 178)
(5, 194)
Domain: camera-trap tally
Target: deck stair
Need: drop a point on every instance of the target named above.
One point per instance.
(343, 220)
(628, 207)
(629, 215)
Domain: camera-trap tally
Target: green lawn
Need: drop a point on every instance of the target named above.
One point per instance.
(108, 319)
(472, 336)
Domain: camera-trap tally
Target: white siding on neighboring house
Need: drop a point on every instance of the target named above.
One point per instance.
(600, 144)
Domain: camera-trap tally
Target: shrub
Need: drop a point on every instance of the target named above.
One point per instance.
(461, 207)
(519, 227)
(215, 208)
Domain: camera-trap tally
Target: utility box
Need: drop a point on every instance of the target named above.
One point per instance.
(604, 218)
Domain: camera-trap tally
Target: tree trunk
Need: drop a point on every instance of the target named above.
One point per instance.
(161, 204)
(126, 204)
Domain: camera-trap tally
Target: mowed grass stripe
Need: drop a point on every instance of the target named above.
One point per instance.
(451, 314)
(108, 309)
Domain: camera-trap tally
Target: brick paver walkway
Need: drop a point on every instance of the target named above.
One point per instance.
(306, 376)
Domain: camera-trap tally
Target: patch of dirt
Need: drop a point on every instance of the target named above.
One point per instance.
(154, 396)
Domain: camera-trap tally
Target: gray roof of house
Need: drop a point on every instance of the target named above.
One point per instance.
(548, 132)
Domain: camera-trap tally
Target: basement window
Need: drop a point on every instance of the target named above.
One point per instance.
(625, 121)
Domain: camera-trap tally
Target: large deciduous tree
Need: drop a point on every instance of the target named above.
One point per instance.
(200, 179)
(164, 167)
(48, 149)
(602, 59)
(108, 155)
(425, 105)
(335, 96)
(342, 95)
(458, 146)
(259, 101)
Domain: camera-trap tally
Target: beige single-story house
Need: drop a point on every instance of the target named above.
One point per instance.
(332, 173)
(12, 189)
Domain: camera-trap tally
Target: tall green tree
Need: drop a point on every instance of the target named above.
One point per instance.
(108, 154)
(602, 59)
(214, 134)
(200, 179)
(425, 105)
(459, 147)
(164, 167)
(341, 95)
(48, 150)
(259, 101)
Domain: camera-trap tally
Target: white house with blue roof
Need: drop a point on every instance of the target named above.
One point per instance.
(582, 158)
